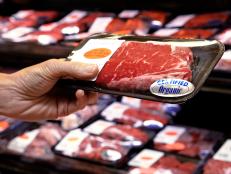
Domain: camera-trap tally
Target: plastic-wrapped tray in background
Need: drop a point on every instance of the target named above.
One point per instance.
(124, 114)
(150, 161)
(213, 19)
(224, 36)
(128, 135)
(37, 143)
(220, 163)
(188, 141)
(152, 106)
(81, 145)
(224, 63)
(131, 66)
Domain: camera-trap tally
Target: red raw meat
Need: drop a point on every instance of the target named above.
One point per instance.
(194, 143)
(125, 133)
(135, 25)
(167, 163)
(208, 19)
(115, 25)
(194, 33)
(49, 135)
(136, 65)
(154, 16)
(217, 167)
(96, 148)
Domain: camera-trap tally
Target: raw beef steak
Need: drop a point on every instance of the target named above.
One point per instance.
(136, 65)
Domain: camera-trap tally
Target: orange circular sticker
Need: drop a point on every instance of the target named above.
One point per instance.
(4, 125)
(97, 53)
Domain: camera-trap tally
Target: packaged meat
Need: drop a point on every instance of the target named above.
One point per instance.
(28, 18)
(155, 162)
(79, 144)
(152, 106)
(125, 114)
(123, 70)
(186, 33)
(157, 18)
(127, 14)
(213, 19)
(16, 33)
(221, 161)
(8, 125)
(115, 25)
(38, 142)
(224, 36)
(225, 62)
(78, 118)
(41, 37)
(129, 136)
(187, 141)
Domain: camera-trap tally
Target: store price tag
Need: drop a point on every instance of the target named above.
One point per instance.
(146, 158)
(224, 153)
(180, 20)
(113, 111)
(20, 143)
(98, 127)
(100, 24)
(128, 13)
(70, 143)
(165, 32)
(135, 102)
(169, 135)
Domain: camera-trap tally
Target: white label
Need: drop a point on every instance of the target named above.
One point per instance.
(146, 158)
(70, 143)
(165, 32)
(20, 143)
(180, 20)
(70, 122)
(224, 153)
(17, 32)
(169, 135)
(135, 102)
(74, 16)
(48, 27)
(171, 88)
(226, 55)
(97, 51)
(225, 36)
(98, 127)
(128, 13)
(113, 111)
(100, 24)
(23, 14)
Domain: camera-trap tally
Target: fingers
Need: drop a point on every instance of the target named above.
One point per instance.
(57, 68)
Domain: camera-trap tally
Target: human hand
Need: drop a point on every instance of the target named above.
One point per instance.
(29, 94)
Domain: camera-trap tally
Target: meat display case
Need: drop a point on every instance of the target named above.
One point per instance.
(204, 110)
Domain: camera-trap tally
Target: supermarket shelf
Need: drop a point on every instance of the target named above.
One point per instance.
(61, 165)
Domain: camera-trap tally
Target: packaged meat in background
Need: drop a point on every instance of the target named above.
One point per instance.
(152, 106)
(214, 19)
(220, 163)
(129, 136)
(187, 141)
(79, 144)
(7, 125)
(38, 142)
(68, 24)
(28, 18)
(224, 36)
(131, 66)
(185, 33)
(115, 25)
(155, 162)
(225, 62)
(157, 18)
(78, 118)
(81, 117)
(128, 115)
(69, 43)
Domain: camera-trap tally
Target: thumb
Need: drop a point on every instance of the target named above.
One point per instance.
(58, 68)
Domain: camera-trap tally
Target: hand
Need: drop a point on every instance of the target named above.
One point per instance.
(30, 95)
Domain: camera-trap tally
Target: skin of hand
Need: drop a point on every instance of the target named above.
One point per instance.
(31, 95)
